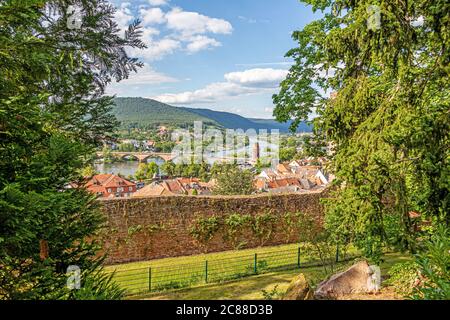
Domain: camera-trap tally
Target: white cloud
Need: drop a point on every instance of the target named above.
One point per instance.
(261, 78)
(248, 20)
(157, 49)
(157, 3)
(192, 23)
(149, 33)
(265, 64)
(199, 43)
(145, 76)
(209, 94)
(123, 16)
(152, 16)
(252, 81)
(183, 30)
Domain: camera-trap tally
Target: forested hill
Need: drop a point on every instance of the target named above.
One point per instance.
(146, 113)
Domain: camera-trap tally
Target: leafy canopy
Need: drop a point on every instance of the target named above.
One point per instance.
(381, 93)
(53, 112)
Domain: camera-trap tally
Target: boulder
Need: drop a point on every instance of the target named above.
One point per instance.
(299, 289)
(359, 278)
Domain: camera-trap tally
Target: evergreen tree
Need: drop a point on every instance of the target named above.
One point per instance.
(53, 113)
(387, 119)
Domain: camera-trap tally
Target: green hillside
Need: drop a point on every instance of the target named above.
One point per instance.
(146, 113)
(228, 120)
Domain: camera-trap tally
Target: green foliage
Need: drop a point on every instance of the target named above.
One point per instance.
(434, 267)
(289, 225)
(427, 277)
(98, 287)
(233, 181)
(146, 114)
(53, 114)
(388, 118)
(165, 146)
(403, 277)
(287, 154)
(107, 155)
(147, 171)
(316, 241)
(236, 225)
(126, 147)
(193, 170)
(88, 171)
(263, 226)
(260, 165)
(204, 229)
(151, 229)
(168, 168)
(262, 266)
(273, 294)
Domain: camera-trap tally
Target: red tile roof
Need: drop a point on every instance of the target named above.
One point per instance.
(180, 186)
(102, 182)
(280, 183)
(284, 168)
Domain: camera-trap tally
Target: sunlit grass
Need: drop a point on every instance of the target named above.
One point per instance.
(182, 272)
(251, 288)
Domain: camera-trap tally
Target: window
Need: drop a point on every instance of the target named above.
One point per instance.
(130, 188)
(119, 189)
(109, 190)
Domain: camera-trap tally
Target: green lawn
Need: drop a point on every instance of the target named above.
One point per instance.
(183, 272)
(251, 288)
(199, 258)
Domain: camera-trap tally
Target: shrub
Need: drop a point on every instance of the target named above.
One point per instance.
(263, 227)
(403, 277)
(236, 225)
(273, 294)
(204, 229)
(434, 267)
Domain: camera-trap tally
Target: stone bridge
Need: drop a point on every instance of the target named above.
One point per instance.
(144, 156)
(140, 156)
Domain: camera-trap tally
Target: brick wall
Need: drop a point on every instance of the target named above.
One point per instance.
(142, 229)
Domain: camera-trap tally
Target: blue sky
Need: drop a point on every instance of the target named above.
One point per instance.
(225, 55)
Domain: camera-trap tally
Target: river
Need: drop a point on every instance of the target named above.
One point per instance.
(126, 168)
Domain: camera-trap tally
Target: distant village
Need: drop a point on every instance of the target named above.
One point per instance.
(293, 176)
(298, 176)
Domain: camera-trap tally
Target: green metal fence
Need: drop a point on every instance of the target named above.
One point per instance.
(176, 276)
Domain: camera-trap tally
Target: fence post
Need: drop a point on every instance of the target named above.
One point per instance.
(298, 257)
(149, 279)
(206, 271)
(337, 253)
(256, 263)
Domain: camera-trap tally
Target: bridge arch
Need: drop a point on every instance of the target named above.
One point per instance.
(129, 156)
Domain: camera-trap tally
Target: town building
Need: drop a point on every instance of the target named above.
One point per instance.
(110, 186)
(180, 186)
(296, 176)
(149, 145)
